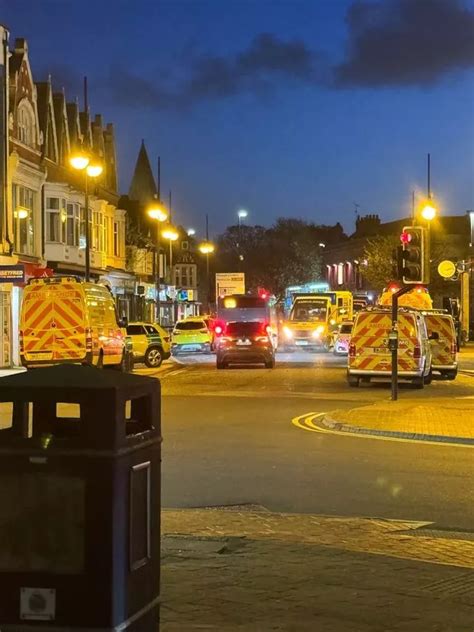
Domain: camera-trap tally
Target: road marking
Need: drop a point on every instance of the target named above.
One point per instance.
(307, 422)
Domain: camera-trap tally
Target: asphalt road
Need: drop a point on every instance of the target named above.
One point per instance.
(228, 439)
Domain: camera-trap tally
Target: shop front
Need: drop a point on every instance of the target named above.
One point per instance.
(12, 281)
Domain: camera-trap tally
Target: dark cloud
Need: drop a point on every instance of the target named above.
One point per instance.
(406, 42)
(256, 70)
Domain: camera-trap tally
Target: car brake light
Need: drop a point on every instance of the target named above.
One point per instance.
(417, 352)
(352, 350)
(218, 329)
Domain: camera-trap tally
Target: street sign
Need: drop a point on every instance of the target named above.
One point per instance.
(447, 269)
(230, 283)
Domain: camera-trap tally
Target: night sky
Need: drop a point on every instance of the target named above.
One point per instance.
(283, 108)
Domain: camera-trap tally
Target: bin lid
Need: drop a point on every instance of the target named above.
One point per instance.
(65, 376)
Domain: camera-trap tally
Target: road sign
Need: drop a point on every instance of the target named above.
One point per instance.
(447, 269)
(230, 283)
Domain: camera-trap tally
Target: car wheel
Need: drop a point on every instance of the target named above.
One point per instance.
(270, 364)
(221, 365)
(353, 380)
(451, 375)
(428, 378)
(153, 357)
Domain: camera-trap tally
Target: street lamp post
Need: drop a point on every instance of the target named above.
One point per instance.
(82, 162)
(157, 213)
(241, 214)
(207, 248)
(171, 234)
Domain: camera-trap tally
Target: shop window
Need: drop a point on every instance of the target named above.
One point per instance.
(24, 216)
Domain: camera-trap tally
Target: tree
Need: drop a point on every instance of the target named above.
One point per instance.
(378, 253)
(287, 253)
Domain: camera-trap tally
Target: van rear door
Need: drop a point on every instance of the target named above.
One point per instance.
(53, 323)
(444, 347)
(369, 349)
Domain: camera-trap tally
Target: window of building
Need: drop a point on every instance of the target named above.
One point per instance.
(26, 123)
(23, 215)
(95, 230)
(185, 276)
(116, 240)
(185, 245)
(56, 219)
(73, 224)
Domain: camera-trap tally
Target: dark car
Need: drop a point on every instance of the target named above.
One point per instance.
(245, 343)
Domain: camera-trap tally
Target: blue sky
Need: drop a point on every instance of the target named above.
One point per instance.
(289, 108)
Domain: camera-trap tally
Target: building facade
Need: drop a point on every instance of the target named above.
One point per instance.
(42, 214)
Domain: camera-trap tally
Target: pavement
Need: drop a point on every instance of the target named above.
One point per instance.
(241, 569)
(439, 420)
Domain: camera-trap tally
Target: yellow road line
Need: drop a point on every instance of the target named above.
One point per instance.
(306, 422)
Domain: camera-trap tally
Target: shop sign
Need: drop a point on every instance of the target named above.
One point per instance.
(182, 295)
(12, 274)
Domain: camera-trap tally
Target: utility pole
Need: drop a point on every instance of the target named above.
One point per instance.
(429, 176)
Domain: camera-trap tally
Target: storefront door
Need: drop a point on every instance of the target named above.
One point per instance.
(5, 330)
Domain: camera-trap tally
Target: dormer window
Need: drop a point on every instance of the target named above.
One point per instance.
(26, 123)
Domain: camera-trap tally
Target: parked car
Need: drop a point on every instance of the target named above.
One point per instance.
(442, 335)
(342, 338)
(369, 353)
(191, 335)
(150, 343)
(245, 343)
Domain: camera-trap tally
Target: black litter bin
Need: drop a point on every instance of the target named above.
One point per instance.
(80, 501)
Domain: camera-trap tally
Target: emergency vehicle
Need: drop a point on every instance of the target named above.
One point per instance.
(315, 318)
(66, 320)
(442, 335)
(369, 354)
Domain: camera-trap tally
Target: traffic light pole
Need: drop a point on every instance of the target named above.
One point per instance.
(393, 339)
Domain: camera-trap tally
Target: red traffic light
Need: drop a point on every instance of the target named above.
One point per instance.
(405, 237)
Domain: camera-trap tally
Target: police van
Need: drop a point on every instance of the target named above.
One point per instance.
(369, 354)
(66, 320)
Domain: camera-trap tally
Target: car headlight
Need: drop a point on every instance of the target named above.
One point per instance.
(316, 333)
(320, 329)
(287, 331)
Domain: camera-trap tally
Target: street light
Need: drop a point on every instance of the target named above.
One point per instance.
(242, 214)
(428, 211)
(207, 248)
(158, 213)
(92, 169)
(191, 232)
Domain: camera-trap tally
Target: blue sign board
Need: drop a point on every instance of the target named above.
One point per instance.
(12, 274)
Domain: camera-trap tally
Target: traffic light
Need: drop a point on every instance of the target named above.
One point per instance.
(415, 257)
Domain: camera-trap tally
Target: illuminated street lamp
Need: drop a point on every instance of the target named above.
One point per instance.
(428, 211)
(242, 214)
(158, 213)
(191, 232)
(92, 169)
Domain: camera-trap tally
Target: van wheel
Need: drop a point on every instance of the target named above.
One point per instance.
(428, 378)
(353, 380)
(451, 375)
(153, 357)
(418, 382)
(221, 365)
(270, 364)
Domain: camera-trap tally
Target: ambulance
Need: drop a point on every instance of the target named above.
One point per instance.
(442, 335)
(314, 320)
(369, 354)
(65, 320)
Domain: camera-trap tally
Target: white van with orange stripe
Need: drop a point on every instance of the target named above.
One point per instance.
(65, 320)
(442, 335)
(369, 353)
